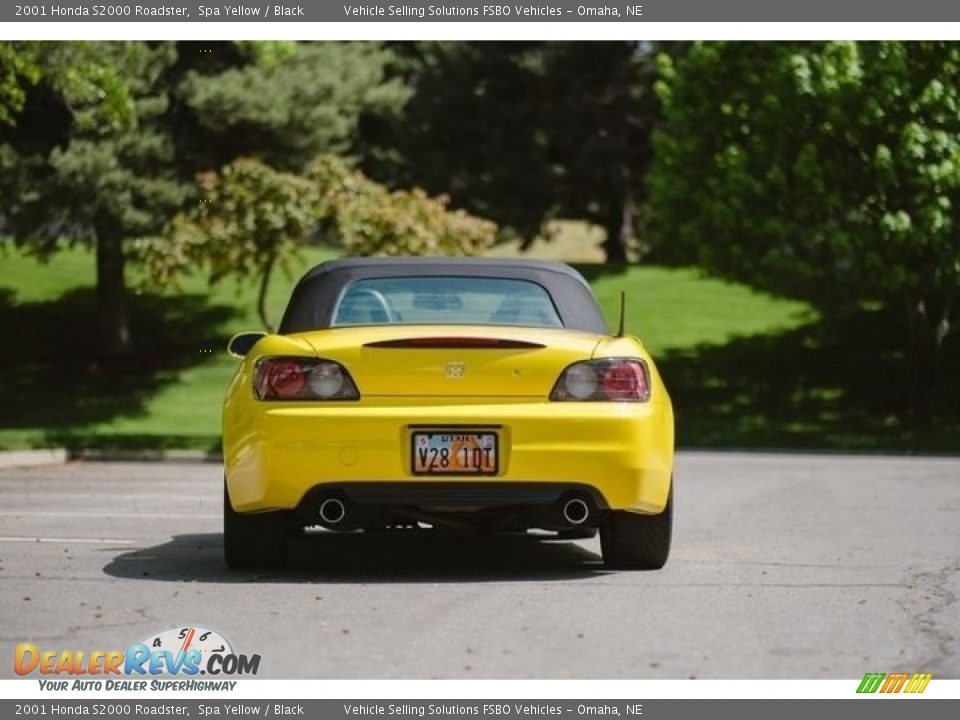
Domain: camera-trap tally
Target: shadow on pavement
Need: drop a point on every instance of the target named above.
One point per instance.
(360, 558)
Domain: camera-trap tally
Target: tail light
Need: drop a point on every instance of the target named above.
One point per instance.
(303, 379)
(611, 379)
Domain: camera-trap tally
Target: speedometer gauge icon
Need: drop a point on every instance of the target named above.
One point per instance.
(189, 637)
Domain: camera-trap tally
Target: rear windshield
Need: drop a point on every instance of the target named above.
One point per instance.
(445, 301)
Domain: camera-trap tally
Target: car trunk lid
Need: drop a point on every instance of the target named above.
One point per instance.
(453, 360)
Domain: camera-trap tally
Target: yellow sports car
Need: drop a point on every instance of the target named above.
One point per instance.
(464, 394)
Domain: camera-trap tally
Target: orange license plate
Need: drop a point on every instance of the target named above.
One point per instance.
(455, 453)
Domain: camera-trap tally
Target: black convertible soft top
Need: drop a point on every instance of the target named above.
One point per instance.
(315, 297)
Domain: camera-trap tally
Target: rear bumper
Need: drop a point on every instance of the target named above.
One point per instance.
(379, 504)
(276, 454)
(451, 495)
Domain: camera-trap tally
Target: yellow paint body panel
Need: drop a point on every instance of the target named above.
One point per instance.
(274, 452)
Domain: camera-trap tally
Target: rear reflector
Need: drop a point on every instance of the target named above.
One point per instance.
(437, 343)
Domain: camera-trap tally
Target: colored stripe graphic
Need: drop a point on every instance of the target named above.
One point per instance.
(870, 682)
(918, 683)
(894, 682)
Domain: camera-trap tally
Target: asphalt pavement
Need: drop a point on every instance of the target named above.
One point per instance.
(784, 566)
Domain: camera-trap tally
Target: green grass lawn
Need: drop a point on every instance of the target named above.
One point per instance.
(744, 369)
(675, 309)
(181, 336)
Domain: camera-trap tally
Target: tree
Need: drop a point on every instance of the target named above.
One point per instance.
(251, 219)
(283, 103)
(471, 129)
(254, 218)
(87, 159)
(100, 142)
(19, 67)
(829, 170)
(525, 132)
(369, 219)
(601, 113)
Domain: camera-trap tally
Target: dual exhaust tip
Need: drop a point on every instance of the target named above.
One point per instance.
(574, 511)
(332, 511)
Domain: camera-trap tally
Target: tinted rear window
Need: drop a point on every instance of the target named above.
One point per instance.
(445, 301)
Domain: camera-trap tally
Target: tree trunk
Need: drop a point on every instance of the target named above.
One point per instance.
(113, 330)
(619, 226)
(262, 294)
(925, 337)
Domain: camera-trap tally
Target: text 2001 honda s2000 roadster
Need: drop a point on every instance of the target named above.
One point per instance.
(469, 394)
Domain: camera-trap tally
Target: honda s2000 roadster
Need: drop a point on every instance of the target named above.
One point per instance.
(472, 395)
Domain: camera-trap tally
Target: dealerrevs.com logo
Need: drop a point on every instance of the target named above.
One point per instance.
(182, 651)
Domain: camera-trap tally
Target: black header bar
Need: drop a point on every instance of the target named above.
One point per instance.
(416, 11)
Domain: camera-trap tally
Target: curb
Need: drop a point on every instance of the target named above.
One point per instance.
(33, 458)
(167, 456)
(59, 456)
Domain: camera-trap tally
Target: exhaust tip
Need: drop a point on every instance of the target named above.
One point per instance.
(332, 511)
(576, 511)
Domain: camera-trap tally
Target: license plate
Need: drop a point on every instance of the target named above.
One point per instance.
(455, 453)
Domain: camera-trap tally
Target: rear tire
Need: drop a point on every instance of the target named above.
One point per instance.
(254, 540)
(637, 542)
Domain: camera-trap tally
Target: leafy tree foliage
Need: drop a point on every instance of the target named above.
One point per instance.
(284, 103)
(18, 67)
(600, 113)
(829, 169)
(470, 129)
(101, 142)
(87, 158)
(369, 219)
(524, 132)
(253, 218)
(250, 219)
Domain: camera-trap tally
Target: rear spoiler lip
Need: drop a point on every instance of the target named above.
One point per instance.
(451, 342)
